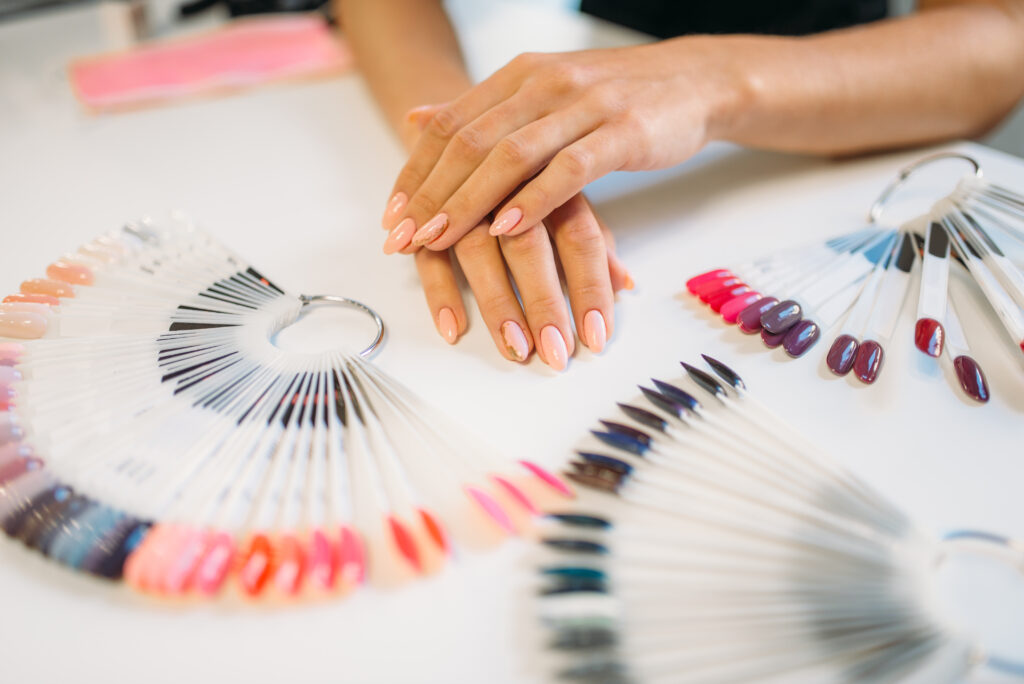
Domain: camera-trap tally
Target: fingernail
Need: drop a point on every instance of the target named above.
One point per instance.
(508, 220)
(553, 344)
(396, 205)
(629, 281)
(431, 230)
(595, 332)
(447, 325)
(399, 238)
(515, 340)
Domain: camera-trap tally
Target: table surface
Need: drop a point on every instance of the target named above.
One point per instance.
(295, 177)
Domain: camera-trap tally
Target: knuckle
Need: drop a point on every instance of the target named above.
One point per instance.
(524, 244)
(445, 123)
(576, 161)
(582, 234)
(469, 143)
(472, 244)
(565, 76)
(606, 98)
(592, 291)
(546, 305)
(513, 150)
(422, 205)
(525, 61)
(493, 301)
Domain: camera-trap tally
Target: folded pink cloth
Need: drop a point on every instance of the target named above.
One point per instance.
(245, 53)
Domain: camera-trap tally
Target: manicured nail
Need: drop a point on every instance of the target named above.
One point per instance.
(431, 230)
(396, 205)
(508, 220)
(553, 344)
(595, 332)
(629, 281)
(447, 325)
(399, 238)
(43, 286)
(22, 325)
(67, 272)
(515, 341)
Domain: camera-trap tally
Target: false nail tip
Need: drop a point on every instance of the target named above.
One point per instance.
(929, 336)
(972, 379)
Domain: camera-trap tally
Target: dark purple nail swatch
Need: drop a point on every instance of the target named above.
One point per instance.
(750, 318)
(801, 337)
(972, 380)
(842, 354)
(781, 317)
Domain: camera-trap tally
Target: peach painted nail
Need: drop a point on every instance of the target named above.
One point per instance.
(629, 281)
(399, 238)
(447, 325)
(508, 220)
(43, 286)
(555, 352)
(431, 230)
(595, 332)
(41, 309)
(65, 272)
(22, 325)
(31, 299)
(396, 205)
(515, 341)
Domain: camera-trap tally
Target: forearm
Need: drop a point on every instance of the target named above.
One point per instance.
(406, 51)
(946, 72)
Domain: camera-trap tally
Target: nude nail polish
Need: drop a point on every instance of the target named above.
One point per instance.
(555, 352)
(508, 220)
(399, 238)
(595, 332)
(515, 341)
(396, 205)
(431, 230)
(43, 286)
(22, 325)
(447, 325)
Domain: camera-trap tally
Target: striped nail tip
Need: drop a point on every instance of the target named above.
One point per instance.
(435, 530)
(491, 508)
(405, 543)
(972, 379)
(706, 291)
(718, 300)
(322, 567)
(675, 394)
(581, 520)
(841, 355)
(22, 298)
(929, 336)
(644, 417)
(749, 319)
(72, 274)
(693, 282)
(257, 565)
(291, 563)
(549, 478)
(868, 362)
(706, 382)
(772, 340)
(517, 494)
(622, 442)
(215, 564)
(800, 338)
(351, 557)
(781, 317)
(616, 464)
(723, 371)
(730, 311)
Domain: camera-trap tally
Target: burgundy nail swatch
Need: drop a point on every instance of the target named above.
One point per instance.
(972, 380)
(929, 336)
(842, 354)
(868, 361)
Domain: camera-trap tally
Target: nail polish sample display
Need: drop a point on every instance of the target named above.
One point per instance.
(723, 546)
(857, 283)
(152, 431)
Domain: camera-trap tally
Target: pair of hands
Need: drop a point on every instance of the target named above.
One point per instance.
(519, 148)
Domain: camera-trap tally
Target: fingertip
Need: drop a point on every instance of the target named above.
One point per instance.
(447, 325)
(595, 331)
(515, 342)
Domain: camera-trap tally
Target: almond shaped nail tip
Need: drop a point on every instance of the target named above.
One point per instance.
(396, 205)
(972, 379)
(556, 354)
(506, 222)
(781, 317)
(447, 325)
(404, 542)
(185, 556)
(399, 238)
(595, 332)
(435, 529)
(431, 230)
(517, 494)
(549, 479)
(492, 508)
(801, 337)
(693, 282)
(929, 336)
(515, 340)
(868, 362)
(842, 354)
(216, 563)
(730, 311)
(322, 566)
(749, 319)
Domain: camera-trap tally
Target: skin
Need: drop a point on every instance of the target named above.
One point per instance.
(521, 145)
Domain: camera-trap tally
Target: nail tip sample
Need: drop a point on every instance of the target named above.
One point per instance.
(972, 379)
(841, 355)
(868, 362)
(929, 336)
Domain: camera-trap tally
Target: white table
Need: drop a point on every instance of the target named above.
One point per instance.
(295, 177)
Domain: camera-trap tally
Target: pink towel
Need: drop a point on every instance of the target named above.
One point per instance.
(245, 53)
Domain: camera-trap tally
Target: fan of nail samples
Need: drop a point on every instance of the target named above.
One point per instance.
(712, 543)
(862, 279)
(152, 431)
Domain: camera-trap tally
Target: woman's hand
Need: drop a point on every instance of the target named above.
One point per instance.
(491, 266)
(522, 143)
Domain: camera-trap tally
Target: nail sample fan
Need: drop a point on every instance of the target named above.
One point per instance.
(791, 298)
(151, 430)
(712, 543)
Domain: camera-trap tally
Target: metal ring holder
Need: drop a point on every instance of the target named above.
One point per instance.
(878, 206)
(310, 301)
(1008, 550)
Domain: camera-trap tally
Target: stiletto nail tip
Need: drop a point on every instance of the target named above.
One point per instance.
(492, 509)
(971, 378)
(673, 393)
(868, 362)
(781, 317)
(404, 542)
(749, 318)
(929, 336)
(644, 417)
(706, 382)
(580, 520)
(631, 432)
(608, 462)
(842, 354)
(257, 565)
(213, 568)
(435, 529)
(549, 479)
(623, 442)
(801, 337)
(517, 494)
(724, 372)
